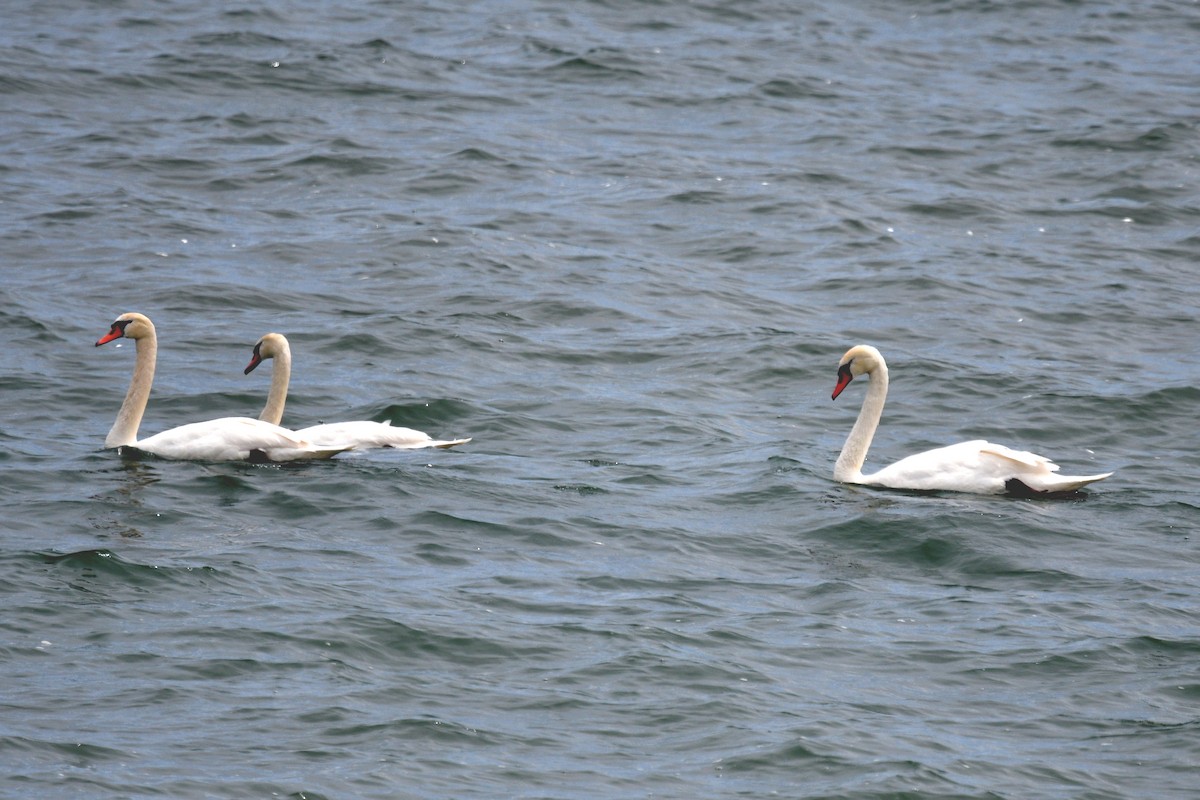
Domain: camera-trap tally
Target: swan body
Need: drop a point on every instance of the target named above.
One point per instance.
(977, 466)
(360, 434)
(225, 439)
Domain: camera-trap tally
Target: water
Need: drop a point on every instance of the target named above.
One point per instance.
(622, 245)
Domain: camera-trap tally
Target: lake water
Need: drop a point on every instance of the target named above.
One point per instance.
(622, 246)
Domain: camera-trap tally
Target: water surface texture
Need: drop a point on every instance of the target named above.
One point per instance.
(622, 245)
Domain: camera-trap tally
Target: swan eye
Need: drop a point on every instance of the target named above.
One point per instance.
(119, 327)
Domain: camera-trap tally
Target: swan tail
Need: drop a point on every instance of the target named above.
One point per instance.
(409, 439)
(328, 452)
(1079, 481)
(409, 443)
(315, 452)
(1051, 485)
(448, 443)
(400, 438)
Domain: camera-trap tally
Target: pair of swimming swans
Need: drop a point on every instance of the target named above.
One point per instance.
(978, 466)
(238, 438)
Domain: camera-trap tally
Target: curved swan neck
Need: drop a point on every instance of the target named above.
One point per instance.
(281, 374)
(129, 418)
(854, 452)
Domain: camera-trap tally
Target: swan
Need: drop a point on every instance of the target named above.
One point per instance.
(225, 439)
(361, 434)
(977, 466)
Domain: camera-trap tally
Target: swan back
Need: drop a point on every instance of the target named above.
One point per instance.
(237, 439)
(366, 434)
(978, 467)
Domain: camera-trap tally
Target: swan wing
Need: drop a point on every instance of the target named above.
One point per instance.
(979, 467)
(1035, 473)
(365, 434)
(958, 467)
(1023, 458)
(235, 439)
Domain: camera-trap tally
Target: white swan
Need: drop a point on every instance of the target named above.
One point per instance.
(361, 434)
(226, 439)
(978, 466)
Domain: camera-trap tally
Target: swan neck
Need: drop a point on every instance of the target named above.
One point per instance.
(125, 429)
(854, 452)
(281, 374)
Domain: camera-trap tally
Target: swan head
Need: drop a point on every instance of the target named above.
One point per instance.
(859, 360)
(129, 326)
(269, 346)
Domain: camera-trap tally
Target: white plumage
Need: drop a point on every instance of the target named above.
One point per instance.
(359, 434)
(224, 439)
(977, 466)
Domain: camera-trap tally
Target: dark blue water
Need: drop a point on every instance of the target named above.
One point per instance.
(622, 246)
